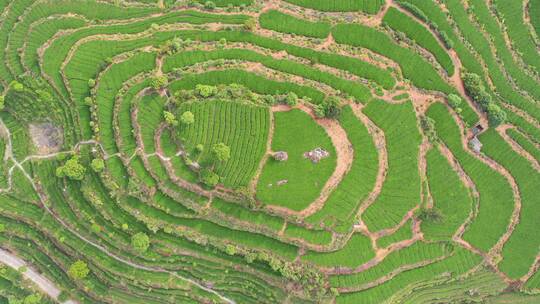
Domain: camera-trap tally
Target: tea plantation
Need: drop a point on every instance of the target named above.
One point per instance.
(269, 151)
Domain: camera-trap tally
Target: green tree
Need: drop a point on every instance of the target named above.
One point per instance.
(496, 115)
(291, 99)
(230, 249)
(88, 101)
(209, 178)
(430, 215)
(140, 242)
(97, 164)
(78, 270)
(159, 82)
(16, 86)
(170, 119)
(2, 102)
(72, 169)
(454, 101)
(222, 152)
(32, 299)
(187, 118)
(250, 24)
(91, 83)
(14, 300)
(209, 5)
(2, 228)
(205, 91)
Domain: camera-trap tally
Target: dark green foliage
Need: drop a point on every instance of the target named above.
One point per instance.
(476, 89)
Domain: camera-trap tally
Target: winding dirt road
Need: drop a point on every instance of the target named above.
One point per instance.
(44, 284)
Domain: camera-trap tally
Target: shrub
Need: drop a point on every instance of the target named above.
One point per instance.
(413, 9)
(72, 169)
(291, 99)
(170, 119)
(78, 270)
(140, 242)
(91, 83)
(496, 115)
(476, 89)
(205, 91)
(250, 24)
(187, 118)
(97, 165)
(448, 43)
(209, 5)
(88, 101)
(222, 152)
(329, 108)
(428, 126)
(454, 101)
(159, 82)
(430, 214)
(209, 178)
(16, 86)
(2, 102)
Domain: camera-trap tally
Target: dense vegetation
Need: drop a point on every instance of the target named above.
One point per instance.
(248, 151)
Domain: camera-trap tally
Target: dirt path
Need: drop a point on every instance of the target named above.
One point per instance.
(327, 42)
(44, 284)
(344, 159)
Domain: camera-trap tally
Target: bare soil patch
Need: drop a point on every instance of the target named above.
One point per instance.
(46, 137)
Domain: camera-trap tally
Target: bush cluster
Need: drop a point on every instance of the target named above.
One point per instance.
(476, 89)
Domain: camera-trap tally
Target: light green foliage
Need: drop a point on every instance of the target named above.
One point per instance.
(205, 91)
(209, 178)
(291, 99)
(16, 86)
(221, 152)
(159, 82)
(78, 270)
(454, 101)
(140, 242)
(187, 118)
(72, 169)
(170, 118)
(97, 164)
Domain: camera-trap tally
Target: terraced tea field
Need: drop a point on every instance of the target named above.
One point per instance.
(269, 151)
